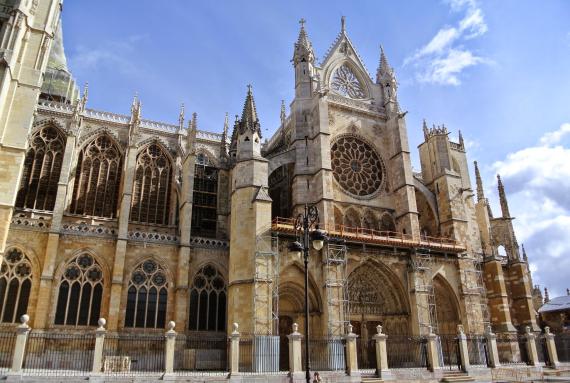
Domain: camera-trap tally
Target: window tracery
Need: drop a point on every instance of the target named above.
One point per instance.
(205, 197)
(356, 166)
(208, 301)
(147, 296)
(97, 179)
(151, 197)
(80, 292)
(42, 167)
(345, 82)
(15, 285)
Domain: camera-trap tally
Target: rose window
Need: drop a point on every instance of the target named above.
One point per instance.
(345, 83)
(356, 166)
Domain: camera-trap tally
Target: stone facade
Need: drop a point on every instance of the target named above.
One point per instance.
(170, 222)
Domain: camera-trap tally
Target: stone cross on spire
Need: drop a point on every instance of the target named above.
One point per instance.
(503, 198)
(302, 22)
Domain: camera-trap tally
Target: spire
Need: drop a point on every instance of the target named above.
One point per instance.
(343, 24)
(546, 297)
(303, 47)
(283, 116)
(134, 124)
(425, 129)
(480, 192)
(224, 140)
(384, 72)
(180, 119)
(249, 120)
(503, 198)
(192, 131)
(461, 141)
(525, 258)
(567, 291)
(85, 95)
(489, 211)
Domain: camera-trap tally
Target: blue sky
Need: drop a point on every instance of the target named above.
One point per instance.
(499, 71)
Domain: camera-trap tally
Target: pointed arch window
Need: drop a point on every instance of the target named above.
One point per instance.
(15, 286)
(208, 301)
(42, 166)
(153, 177)
(147, 296)
(96, 189)
(205, 197)
(80, 292)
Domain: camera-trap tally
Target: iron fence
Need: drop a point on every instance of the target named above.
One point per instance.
(562, 342)
(201, 353)
(133, 354)
(541, 350)
(326, 354)
(259, 354)
(366, 353)
(61, 354)
(510, 350)
(478, 350)
(405, 351)
(7, 343)
(449, 351)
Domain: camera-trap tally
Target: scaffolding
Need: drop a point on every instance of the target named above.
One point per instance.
(421, 261)
(336, 286)
(266, 285)
(474, 286)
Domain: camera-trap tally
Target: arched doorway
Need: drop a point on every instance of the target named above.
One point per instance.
(447, 309)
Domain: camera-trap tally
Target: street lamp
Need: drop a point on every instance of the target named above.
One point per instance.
(307, 230)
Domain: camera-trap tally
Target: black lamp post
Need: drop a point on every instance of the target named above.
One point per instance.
(307, 229)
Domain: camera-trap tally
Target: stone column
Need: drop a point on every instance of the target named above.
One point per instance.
(169, 349)
(551, 348)
(521, 294)
(295, 359)
(20, 347)
(432, 351)
(381, 356)
(122, 237)
(351, 353)
(98, 351)
(531, 347)
(497, 296)
(492, 350)
(463, 350)
(234, 352)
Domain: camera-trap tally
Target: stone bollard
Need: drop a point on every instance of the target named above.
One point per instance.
(492, 349)
(169, 349)
(20, 348)
(295, 360)
(351, 353)
(234, 351)
(98, 352)
(381, 356)
(432, 351)
(551, 348)
(531, 347)
(463, 350)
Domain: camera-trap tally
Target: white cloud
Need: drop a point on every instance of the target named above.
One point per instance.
(442, 60)
(537, 180)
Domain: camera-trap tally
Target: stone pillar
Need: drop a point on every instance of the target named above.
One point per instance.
(497, 296)
(20, 347)
(234, 351)
(351, 353)
(432, 351)
(98, 351)
(382, 369)
(492, 350)
(169, 349)
(122, 237)
(551, 348)
(295, 359)
(523, 312)
(531, 347)
(463, 350)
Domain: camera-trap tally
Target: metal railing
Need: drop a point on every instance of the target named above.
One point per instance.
(60, 354)
(562, 342)
(259, 354)
(327, 354)
(125, 354)
(7, 342)
(366, 353)
(450, 351)
(202, 354)
(478, 350)
(405, 351)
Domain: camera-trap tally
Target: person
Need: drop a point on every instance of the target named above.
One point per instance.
(317, 378)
